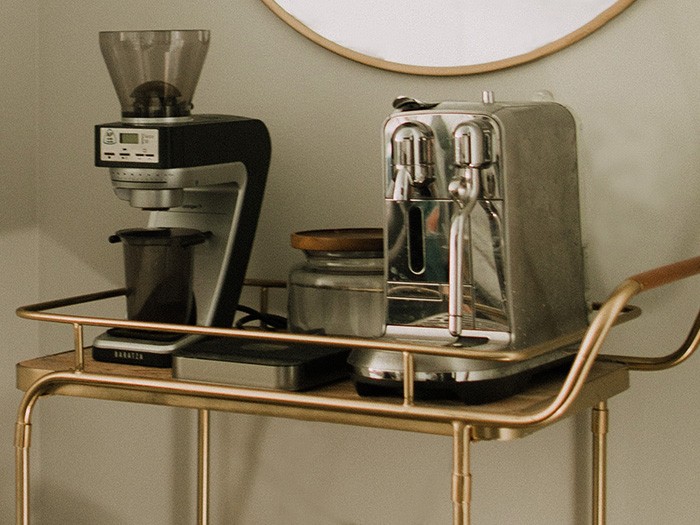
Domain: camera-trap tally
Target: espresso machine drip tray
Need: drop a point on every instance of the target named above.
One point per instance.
(470, 381)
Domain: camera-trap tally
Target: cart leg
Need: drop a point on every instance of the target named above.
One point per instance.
(22, 436)
(599, 427)
(202, 467)
(461, 475)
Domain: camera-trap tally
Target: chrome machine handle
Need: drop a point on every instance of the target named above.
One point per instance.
(470, 154)
(413, 161)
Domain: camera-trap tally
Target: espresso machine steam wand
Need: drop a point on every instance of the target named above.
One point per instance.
(464, 190)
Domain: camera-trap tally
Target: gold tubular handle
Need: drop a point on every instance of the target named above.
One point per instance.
(653, 364)
(654, 279)
(667, 274)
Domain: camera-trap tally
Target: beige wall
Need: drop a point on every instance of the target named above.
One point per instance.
(634, 89)
(19, 278)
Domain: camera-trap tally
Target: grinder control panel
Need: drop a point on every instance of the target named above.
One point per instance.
(129, 145)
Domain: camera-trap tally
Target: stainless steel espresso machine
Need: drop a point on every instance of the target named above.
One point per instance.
(193, 173)
(482, 242)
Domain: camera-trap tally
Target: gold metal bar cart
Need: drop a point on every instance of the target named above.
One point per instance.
(592, 379)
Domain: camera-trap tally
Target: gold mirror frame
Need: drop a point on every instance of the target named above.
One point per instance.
(467, 69)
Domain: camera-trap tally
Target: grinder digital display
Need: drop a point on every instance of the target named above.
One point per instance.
(128, 145)
(129, 138)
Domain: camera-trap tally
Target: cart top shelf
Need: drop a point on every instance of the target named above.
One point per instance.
(591, 379)
(336, 403)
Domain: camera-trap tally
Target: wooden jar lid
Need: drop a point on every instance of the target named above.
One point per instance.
(339, 240)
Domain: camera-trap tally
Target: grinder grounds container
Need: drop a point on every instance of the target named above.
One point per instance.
(158, 269)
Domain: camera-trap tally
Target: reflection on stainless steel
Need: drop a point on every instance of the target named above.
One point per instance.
(475, 259)
(483, 236)
(496, 229)
(412, 160)
(470, 155)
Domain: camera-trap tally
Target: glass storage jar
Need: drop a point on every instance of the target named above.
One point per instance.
(339, 289)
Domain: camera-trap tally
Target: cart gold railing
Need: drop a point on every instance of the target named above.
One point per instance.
(591, 380)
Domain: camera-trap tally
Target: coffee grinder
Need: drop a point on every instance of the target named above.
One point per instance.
(482, 243)
(192, 173)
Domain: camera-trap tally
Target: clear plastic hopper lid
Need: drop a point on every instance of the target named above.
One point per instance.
(155, 73)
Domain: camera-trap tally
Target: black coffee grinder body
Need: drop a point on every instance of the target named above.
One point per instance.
(219, 165)
(190, 172)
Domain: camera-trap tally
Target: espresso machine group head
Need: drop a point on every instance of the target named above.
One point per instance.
(202, 172)
(482, 238)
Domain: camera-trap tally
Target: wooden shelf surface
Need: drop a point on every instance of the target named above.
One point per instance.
(604, 381)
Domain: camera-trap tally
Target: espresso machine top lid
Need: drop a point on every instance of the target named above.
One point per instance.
(155, 73)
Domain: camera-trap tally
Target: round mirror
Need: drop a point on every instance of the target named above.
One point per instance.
(445, 37)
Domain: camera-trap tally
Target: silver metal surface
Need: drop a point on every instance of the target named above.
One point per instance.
(163, 188)
(412, 157)
(469, 142)
(388, 366)
(151, 199)
(489, 244)
(145, 121)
